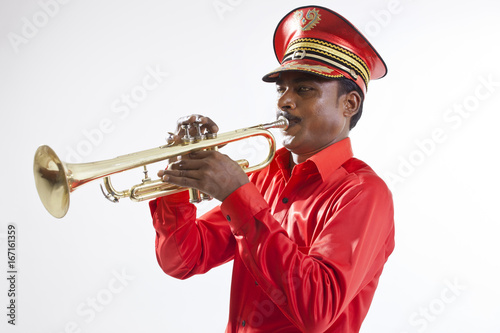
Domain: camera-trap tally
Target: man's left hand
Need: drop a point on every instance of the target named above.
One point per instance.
(210, 172)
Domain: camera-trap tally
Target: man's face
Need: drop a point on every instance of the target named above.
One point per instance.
(317, 115)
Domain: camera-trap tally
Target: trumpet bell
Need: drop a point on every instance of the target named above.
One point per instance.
(51, 181)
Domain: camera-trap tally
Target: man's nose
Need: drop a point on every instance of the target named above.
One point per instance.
(286, 101)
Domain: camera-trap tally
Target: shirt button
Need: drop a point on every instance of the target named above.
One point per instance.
(285, 200)
(228, 218)
(256, 283)
(243, 323)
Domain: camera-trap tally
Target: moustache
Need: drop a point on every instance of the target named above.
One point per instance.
(288, 116)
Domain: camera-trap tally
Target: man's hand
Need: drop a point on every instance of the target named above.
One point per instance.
(207, 126)
(211, 172)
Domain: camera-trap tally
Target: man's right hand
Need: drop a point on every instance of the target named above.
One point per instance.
(207, 126)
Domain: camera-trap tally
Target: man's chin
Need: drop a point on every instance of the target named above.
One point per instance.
(289, 142)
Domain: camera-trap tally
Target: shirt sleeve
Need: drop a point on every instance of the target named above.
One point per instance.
(185, 245)
(313, 289)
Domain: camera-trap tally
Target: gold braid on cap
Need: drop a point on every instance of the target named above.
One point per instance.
(331, 54)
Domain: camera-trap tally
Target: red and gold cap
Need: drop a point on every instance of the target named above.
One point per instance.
(317, 40)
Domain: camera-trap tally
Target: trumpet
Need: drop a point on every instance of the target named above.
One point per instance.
(55, 180)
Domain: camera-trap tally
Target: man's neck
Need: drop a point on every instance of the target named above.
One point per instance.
(299, 158)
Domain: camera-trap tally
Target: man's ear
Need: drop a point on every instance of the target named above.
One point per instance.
(351, 102)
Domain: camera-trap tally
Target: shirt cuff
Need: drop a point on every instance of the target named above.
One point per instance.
(180, 197)
(176, 198)
(242, 205)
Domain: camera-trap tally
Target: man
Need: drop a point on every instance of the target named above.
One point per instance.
(309, 234)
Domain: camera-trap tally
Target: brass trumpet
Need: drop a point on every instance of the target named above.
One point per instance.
(55, 180)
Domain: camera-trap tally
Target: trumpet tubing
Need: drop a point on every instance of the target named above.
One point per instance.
(55, 180)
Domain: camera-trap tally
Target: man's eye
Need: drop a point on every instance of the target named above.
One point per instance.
(304, 89)
(280, 91)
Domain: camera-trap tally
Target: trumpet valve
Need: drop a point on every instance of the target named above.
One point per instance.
(146, 177)
(211, 135)
(170, 139)
(198, 136)
(205, 197)
(194, 195)
(186, 139)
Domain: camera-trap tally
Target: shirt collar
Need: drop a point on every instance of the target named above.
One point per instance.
(326, 161)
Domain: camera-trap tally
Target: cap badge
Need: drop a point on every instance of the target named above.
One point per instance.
(299, 54)
(308, 22)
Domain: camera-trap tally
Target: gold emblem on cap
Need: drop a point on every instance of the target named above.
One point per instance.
(308, 22)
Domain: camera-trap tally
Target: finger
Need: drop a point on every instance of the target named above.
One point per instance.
(186, 172)
(162, 173)
(184, 178)
(200, 154)
(187, 164)
(208, 125)
(187, 120)
(183, 122)
(170, 162)
(174, 179)
(207, 155)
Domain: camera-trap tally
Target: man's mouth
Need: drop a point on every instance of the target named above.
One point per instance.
(292, 120)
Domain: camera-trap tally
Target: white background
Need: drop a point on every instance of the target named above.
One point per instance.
(66, 75)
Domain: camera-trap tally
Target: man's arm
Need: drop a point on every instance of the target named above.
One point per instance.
(313, 289)
(186, 246)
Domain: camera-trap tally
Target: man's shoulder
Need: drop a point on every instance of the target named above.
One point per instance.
(361, 174)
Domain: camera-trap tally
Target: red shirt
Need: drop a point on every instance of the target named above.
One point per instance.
(308, 245)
